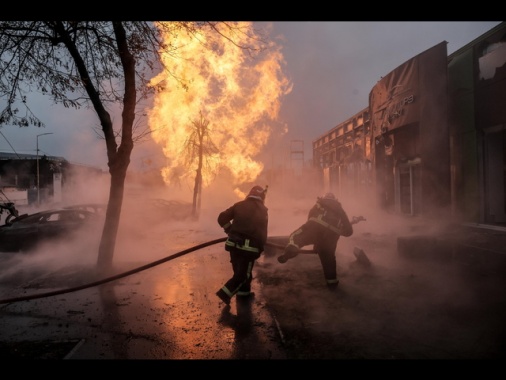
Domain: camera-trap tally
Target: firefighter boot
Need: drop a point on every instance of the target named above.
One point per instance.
(332, 285)
(290, 252)
(223, 296)
(244, 299)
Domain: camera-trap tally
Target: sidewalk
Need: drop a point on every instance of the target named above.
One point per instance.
(478, 247)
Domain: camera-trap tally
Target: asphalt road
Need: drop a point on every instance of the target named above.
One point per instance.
(167, 312)
(394, 308)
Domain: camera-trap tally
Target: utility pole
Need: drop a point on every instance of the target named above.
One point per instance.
(38, 184)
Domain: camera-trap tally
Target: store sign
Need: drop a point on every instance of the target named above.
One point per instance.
(397, 109)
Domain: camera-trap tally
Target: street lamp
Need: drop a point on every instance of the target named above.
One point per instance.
(38, 185)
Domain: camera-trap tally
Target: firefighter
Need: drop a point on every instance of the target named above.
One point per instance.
(245, 223)
(326, 222)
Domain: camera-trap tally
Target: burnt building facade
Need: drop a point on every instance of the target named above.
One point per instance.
(432, 139)
(477, 91)
(343, 156)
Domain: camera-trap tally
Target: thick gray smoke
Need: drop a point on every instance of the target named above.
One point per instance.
(156, 222)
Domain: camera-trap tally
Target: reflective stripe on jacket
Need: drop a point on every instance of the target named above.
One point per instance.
(245, 247)
(319, 219)
(245, 223)
(329, 214)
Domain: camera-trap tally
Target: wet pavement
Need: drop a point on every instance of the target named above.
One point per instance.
(166, 312)
(396, 308)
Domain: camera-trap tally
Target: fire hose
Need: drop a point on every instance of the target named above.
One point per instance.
(128, 273)
(115, 277)
(141, 268)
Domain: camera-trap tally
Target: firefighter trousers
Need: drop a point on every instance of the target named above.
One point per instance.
(324, 244)
(242, 267)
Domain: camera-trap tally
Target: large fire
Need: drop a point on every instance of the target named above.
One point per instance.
(217, 82)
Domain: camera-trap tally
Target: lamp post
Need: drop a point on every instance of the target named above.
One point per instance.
(38, 185)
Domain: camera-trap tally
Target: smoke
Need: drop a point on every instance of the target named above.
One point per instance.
(155, 223)
(395, 292)
(76, 251)
(155, 219)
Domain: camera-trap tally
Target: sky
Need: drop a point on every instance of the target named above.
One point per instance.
(333, 67)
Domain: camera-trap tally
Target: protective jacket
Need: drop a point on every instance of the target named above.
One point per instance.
(326, 222)
(245, 223)
(330, 214)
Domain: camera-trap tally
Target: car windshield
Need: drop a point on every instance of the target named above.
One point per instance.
(55, 216)
(65, 216)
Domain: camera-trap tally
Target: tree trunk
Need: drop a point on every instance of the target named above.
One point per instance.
(111, 223)
(118, 159)
(196, 192)
(199, 190)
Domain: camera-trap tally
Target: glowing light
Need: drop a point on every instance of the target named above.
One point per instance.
(236, 92)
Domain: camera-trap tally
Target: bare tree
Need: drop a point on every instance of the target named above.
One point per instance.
(200, 147)
(94, 64)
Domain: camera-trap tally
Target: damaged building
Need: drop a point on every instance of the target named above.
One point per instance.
(21, 173)
(432, 140)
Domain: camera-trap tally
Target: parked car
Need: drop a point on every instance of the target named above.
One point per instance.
(25, 232)
(169, 209)
(97, 208)
(155, 211)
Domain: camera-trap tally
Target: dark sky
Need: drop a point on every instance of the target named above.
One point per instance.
(333, 67)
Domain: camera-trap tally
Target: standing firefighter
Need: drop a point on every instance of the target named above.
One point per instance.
(245, 223)
(326, 222)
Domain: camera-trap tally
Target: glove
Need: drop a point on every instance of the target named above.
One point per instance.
(290, 254)
(357, 219)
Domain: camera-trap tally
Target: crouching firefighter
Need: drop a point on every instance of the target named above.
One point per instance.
(326, 222)
(245, 223)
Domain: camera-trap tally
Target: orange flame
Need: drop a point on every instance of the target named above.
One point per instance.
(239, 95)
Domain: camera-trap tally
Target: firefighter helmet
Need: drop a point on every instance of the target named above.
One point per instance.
(257, 192)
(329, 196)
